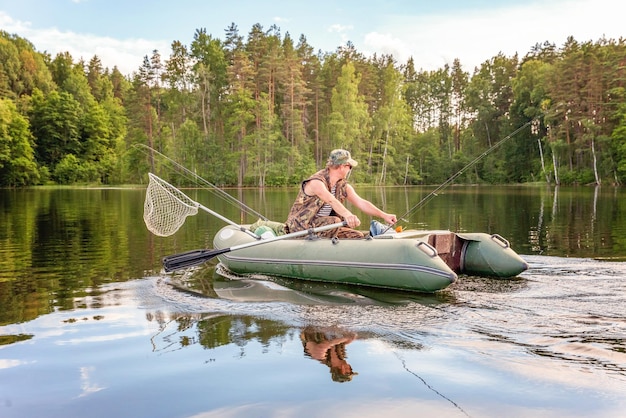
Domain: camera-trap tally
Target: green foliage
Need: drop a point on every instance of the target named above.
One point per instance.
(68, 170)
(264, 111)
(618, 137)
(22, 69)
(569, 177)
(349, 119)
(55, 123)
(17, 162)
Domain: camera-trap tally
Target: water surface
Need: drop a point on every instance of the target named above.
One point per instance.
(89, 326)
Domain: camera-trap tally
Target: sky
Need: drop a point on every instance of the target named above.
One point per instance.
(433, 32)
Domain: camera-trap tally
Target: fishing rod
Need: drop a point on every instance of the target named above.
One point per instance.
(196, 178)
(458, 173)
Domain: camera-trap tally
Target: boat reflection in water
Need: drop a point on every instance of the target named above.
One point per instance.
(218, 282)
(249, 302)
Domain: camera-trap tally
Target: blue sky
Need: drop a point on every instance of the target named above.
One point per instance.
(433, 32)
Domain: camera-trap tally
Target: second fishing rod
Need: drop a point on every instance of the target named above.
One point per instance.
(450, 180)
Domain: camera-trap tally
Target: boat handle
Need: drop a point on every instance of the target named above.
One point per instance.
(502, 241)
(428, 248)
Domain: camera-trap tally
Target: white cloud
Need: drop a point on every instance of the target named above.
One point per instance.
(126, 54)
(339, 28)
(475, 37)
(10, 25)
(87, 385)
(9, 363)
(387, 44)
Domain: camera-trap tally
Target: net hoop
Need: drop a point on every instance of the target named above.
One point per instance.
(166, 208)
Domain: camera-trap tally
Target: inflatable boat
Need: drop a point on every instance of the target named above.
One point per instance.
(414, 260)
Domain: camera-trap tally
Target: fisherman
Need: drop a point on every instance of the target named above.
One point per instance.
(321, 198)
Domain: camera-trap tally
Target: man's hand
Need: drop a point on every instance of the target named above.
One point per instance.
(353, 221)
(390, 218)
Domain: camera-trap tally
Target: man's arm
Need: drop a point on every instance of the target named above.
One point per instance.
(368, 207)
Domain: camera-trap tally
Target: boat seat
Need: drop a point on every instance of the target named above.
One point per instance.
(449, 247)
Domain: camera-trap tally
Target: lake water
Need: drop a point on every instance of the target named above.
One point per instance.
(89, 326)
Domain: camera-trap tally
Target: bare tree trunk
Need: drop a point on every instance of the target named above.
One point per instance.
(242, 158)
(595, 162)
(383, 169)
(556, 172)
(543, 164)
(406, 169)
(318, 151)
(149, 130)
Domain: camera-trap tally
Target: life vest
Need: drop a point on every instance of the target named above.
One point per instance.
(305, 207)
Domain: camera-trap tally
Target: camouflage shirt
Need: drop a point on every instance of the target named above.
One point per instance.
(305, 208)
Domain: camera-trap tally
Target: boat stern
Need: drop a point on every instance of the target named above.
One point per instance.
(489, 255)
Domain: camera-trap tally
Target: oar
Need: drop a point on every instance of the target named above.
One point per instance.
(197, 257)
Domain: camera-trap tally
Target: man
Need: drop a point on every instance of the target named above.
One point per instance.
(321, 198)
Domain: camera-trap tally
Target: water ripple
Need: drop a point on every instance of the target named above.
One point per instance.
(566, 311)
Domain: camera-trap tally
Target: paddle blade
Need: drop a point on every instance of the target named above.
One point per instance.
(190, 259)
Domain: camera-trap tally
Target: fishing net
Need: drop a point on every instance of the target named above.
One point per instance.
(166, 207)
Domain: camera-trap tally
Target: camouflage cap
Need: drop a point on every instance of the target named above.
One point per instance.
(341, 156)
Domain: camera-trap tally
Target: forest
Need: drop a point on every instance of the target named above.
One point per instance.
(265, 110)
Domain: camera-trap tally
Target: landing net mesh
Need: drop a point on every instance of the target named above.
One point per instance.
(166, 208)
